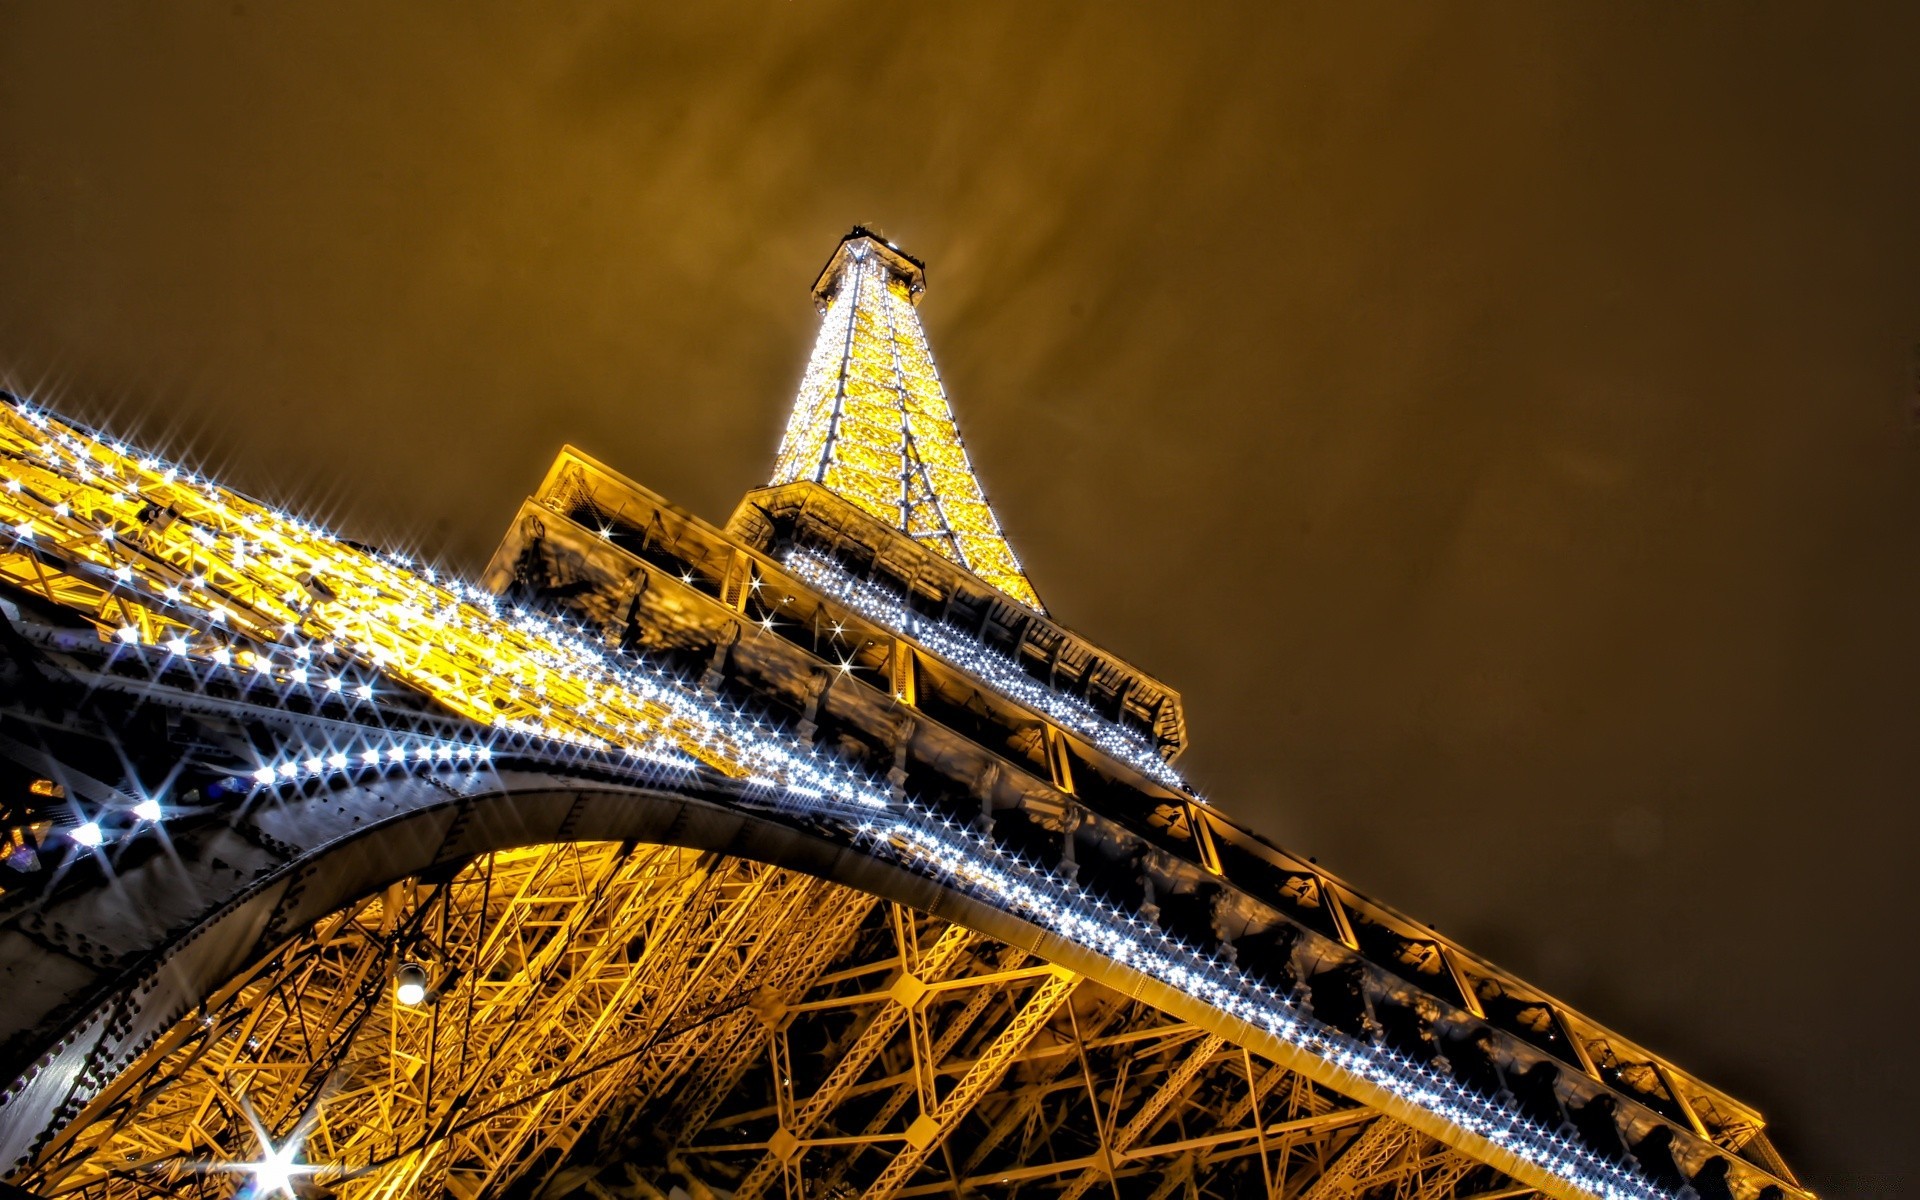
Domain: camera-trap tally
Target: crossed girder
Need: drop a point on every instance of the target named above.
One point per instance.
(620, 1020)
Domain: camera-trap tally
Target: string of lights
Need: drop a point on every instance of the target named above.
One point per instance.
(970, 864)
(886, 608)
(176, 562)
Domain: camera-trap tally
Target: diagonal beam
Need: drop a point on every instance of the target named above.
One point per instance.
(809, 950)
(1339, 1118)
(931, 1129)
(1139, 1161)
(794, 950)
(1363, 1161)
(1439, 1184)
(1029, 1102)
(1231, 1130)
(1144, 1121)
(879, 1031)
(957, 1027)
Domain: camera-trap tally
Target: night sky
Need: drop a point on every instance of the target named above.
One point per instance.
(1501, 423)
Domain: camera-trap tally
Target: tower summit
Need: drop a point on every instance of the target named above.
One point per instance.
(871, 421)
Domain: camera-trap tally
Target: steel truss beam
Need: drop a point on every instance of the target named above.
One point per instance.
(1390, 1159)
(602, 1018)
(559, 976)
(1098, 1063)
(931, 1129)
(1148, 1117)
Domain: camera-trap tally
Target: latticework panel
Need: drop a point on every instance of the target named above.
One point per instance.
(604, 1019)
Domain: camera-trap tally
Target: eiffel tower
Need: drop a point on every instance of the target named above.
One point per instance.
(802, 856)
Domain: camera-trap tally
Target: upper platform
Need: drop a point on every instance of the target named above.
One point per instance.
(864, 243)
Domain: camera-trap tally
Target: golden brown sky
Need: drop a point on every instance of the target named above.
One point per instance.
(1499, 421)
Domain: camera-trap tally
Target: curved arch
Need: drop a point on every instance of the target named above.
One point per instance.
(163, 936)
(170, 931)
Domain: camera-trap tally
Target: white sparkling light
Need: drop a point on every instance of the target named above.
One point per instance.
(275, 1172)
(884, 608)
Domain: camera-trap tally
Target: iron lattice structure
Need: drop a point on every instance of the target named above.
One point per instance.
(872, 421)
(801, 857)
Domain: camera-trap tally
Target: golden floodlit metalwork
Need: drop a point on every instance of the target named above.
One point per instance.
(872, 421)
(805, 856)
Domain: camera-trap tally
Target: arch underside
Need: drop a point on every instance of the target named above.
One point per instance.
(630, 1018)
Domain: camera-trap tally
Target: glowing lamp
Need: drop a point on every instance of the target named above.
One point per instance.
(410, 984)
(273, 1175)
